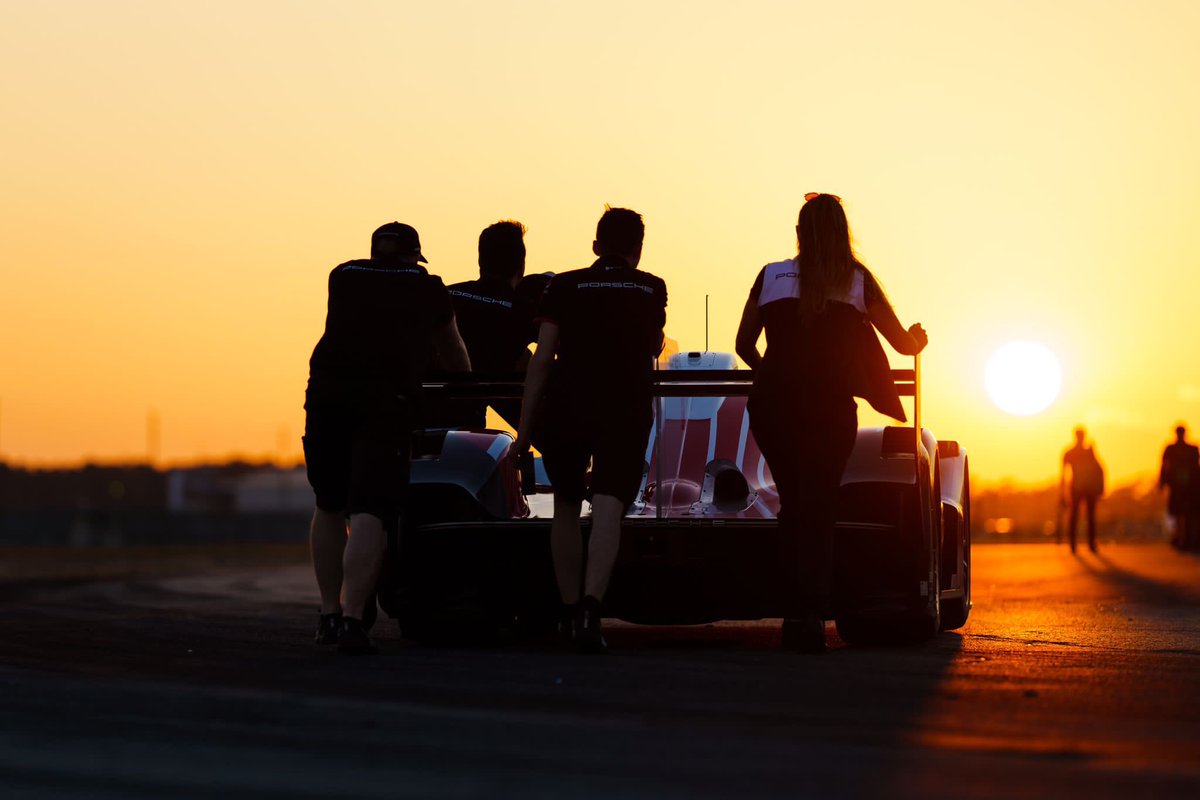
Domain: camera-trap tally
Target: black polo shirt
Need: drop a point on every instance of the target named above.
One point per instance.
(495, 322)
(378, 329)
(610, 319)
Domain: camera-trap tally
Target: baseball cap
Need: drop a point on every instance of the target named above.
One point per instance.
(397, 238)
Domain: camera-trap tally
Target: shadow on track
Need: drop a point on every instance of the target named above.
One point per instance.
(681, 711)
(1138, 588)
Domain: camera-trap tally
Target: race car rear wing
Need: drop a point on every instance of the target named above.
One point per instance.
(667, 383)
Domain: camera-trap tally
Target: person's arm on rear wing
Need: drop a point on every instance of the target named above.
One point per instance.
(451, 350)
(906, 342)
(535, 385)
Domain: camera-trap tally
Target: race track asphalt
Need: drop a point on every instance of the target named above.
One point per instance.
(1075, 677)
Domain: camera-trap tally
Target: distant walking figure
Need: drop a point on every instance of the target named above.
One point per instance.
(820, 311)
(601, 328)
(1180, 476)
(1087, 485)
(386, 317)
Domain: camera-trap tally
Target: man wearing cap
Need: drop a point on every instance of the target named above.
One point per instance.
(386, 317)
(601, 328)
(495, 320)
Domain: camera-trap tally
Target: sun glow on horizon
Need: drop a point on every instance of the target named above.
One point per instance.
(1023, 378)
(180, 178)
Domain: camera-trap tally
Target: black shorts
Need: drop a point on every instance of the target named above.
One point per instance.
(357, 452)
(615, 446)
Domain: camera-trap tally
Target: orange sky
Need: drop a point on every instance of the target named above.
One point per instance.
(179, 177)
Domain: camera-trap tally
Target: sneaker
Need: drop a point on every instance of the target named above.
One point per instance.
(328, 626)
(353, 639)
(804, 634)
(588, 638)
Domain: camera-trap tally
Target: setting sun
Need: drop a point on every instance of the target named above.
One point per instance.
(1023, 378)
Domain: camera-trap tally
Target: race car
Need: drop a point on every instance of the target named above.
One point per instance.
(701, 542)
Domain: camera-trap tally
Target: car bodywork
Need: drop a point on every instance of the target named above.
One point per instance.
(701, 542)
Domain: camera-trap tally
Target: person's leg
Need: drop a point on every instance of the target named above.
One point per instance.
(327, 541)
(776, 432)
(804, 517)
(818, 503)
(566, 463)
(1190, 537)
(1073, 520)
(566, 548)
(781, 452)
(327, 457)
(1091, 521)
(618, 462)
(824, 448)
(377, 485)
(360, 563)
(603, 544)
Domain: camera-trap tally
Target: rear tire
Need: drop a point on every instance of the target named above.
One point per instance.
(913, 627)
(956, 610)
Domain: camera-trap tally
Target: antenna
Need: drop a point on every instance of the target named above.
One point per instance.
(706, 323)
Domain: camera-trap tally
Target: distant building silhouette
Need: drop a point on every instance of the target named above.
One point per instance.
(136, 504)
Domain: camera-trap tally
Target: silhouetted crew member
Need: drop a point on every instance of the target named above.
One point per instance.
(1087, 485)
(1180, 476)
(818, 310)
(605, 326)
(385, 317)
(495, 320)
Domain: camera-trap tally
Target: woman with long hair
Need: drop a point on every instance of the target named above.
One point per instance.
(820, 310)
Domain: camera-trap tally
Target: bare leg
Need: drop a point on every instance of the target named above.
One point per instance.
(603, 544)
(1073, 520)
(566, 546)
(327, 541)
(1091, 523)
(361, 562)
